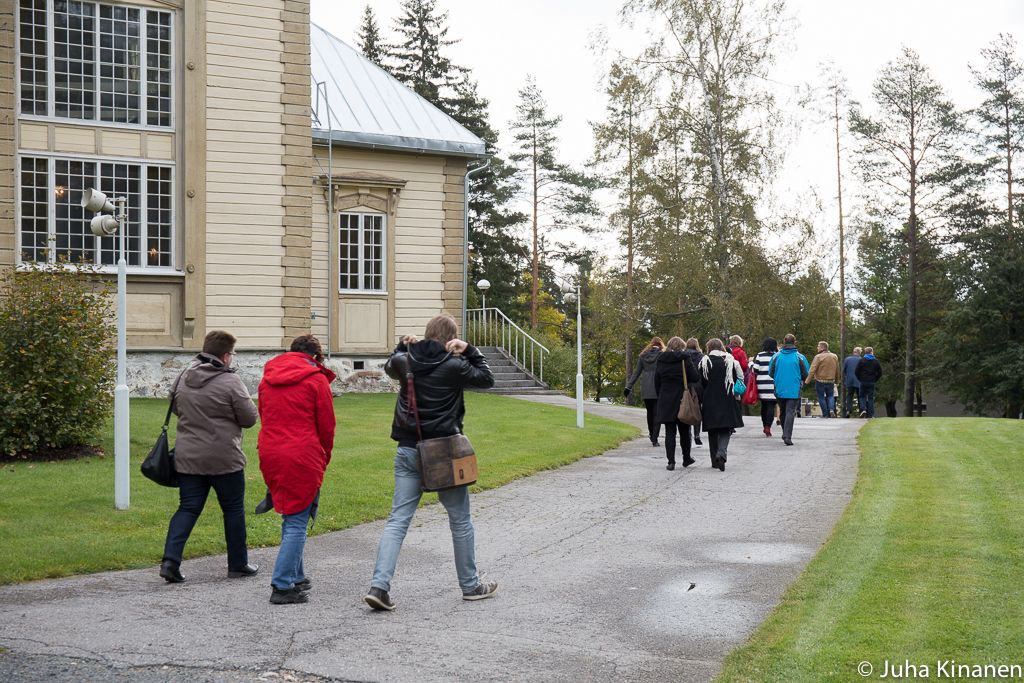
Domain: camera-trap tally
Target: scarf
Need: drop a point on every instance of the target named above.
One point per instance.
(732, 367)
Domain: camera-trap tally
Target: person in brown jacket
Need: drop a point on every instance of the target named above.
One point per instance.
(825, 375)
(213, 406)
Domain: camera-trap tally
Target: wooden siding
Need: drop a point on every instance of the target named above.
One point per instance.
(418, 272)
(254, 283)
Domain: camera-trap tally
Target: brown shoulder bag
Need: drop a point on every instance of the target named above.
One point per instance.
(689, 407)
(445, 462)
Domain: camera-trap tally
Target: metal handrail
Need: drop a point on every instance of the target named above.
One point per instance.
(491, 327)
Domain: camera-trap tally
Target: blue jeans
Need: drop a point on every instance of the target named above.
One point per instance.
(192, 493)
(867, 398)
(289, 570)
(826, 397)
(403, 505)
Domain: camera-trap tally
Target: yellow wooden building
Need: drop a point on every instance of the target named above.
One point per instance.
(277, 181)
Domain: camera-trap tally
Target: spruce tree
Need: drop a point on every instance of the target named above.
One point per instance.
(369, 39)
(418, 56)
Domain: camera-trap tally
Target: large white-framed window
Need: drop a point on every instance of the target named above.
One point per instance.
(54, 228)
(361, 252)
(95, 62)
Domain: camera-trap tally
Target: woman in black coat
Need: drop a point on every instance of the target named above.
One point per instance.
(668, 380)
(718, 371)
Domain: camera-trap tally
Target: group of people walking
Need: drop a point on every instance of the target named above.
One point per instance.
(296, 439)
(666, 371)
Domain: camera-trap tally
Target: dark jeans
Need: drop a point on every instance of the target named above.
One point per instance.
(788, 408)
(192, 494)
(670, 440)
(867, 398)
(851, 393)
(826, 397)
(653, 426)
(718, 442)
(767, 413)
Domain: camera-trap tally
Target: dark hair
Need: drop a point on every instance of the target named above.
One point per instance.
(441, 328)
(692, 343)
(675, 344)
(715, 344)
(770, 345)
(218, 342)
(309, 345)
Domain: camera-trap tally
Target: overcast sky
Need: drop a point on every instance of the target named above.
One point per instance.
(503, 41)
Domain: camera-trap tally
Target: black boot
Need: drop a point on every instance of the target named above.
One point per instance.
(169, 571)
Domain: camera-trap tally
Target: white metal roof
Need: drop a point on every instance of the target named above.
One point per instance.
(370, 108)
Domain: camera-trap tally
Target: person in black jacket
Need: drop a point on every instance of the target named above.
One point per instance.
(868, 372)
(441, 366)
(668, 381)
(645, 367)
(718, 372)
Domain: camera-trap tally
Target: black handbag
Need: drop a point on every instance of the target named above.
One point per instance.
(445, 462)
(159, 464)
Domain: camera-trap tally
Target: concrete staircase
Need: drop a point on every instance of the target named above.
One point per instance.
(511, 378)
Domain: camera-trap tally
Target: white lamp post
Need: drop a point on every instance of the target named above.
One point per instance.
(105, 225)
(578, 296)
(483, 286)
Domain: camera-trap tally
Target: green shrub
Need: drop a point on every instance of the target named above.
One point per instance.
(57, 363)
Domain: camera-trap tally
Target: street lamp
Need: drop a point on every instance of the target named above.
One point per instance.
(103, 224)
(578, 297)
(483, 285)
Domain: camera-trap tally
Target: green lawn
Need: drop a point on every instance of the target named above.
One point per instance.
(927, 563)
(58, 518)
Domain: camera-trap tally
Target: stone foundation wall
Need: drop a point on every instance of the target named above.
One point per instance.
(150, 375)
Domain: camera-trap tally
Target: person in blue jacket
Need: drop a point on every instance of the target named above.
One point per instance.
(788, 368)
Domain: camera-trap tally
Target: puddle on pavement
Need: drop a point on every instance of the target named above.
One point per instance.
(759, 553)
(700, 612)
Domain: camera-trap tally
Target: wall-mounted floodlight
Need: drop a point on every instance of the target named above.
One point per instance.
(97, 202)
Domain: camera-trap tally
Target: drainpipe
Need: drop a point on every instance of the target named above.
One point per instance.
(465, 240)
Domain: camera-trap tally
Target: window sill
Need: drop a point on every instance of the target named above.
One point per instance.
(107, 270)
(361, 292)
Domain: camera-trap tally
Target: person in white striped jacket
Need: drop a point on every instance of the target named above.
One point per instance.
(765, 383)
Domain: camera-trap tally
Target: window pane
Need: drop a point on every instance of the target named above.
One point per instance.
(35, 198)
(158, 216)
(349, 251)
(158, 68)
(75, 242)
(119, 64)
(32, 49)
(373, 252)
(122, 180)
(74, 69)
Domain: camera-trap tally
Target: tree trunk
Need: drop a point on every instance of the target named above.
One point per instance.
(910, 363)
(630, 212)
(842, 259)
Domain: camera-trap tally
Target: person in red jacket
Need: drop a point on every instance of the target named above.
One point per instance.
(295, 444)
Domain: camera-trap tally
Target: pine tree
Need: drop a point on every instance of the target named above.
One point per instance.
(369, 39)
(624, 144)
(905, 150)
(418, 59)
(1002, 113)
(553, 188)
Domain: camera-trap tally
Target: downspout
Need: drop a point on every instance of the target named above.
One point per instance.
(465, 239)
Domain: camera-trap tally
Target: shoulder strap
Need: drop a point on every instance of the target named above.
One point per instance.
(686, 385)
(411, 391)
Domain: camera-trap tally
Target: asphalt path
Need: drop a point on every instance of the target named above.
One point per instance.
(610, 569)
